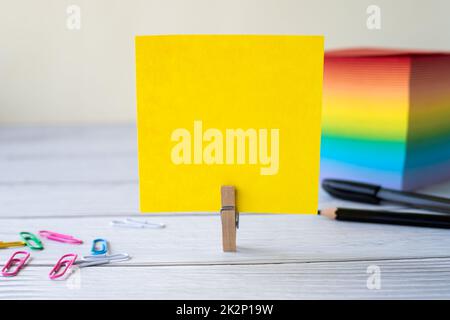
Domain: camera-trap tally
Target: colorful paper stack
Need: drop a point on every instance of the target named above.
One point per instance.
(386, 117)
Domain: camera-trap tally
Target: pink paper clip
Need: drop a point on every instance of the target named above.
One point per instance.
(65, 261)
(59, 237)
(19, 262)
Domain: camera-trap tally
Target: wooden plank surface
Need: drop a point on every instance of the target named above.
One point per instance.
(408, 279)
(77, 179)
(196, 239)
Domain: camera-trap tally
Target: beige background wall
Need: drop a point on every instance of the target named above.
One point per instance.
(50, 74)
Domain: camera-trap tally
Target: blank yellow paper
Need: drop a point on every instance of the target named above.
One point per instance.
(229, 110)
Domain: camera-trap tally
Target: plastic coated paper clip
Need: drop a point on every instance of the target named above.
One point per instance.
(62, 266)
(15, 263)
(95, 251)
(95, 260)
(59, 237)
(12, 244)
(132, 223)
(31, 241)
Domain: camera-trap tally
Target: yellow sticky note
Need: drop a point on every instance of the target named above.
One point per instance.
(229, 110)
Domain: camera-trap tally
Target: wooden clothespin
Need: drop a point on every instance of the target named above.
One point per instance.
(230, 218)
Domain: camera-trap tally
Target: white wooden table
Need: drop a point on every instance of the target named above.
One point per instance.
(76, 180)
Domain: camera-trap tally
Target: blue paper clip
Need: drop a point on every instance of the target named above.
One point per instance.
(103, 247)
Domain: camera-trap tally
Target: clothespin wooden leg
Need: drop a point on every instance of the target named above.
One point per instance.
(229, 217)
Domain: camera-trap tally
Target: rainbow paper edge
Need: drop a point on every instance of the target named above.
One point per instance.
(384, 117)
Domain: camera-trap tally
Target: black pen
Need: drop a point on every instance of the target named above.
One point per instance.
(388, 217)
(369, 193)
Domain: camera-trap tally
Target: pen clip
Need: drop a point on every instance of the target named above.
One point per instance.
(352, 191)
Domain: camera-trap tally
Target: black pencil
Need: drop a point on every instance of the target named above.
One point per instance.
(388, 217)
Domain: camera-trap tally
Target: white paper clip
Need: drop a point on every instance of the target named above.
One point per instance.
(132, 223)
(95, 260)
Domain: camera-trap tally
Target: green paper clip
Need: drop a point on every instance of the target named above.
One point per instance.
(32, 241)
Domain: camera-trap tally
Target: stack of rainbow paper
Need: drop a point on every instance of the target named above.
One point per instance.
(386, 117)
